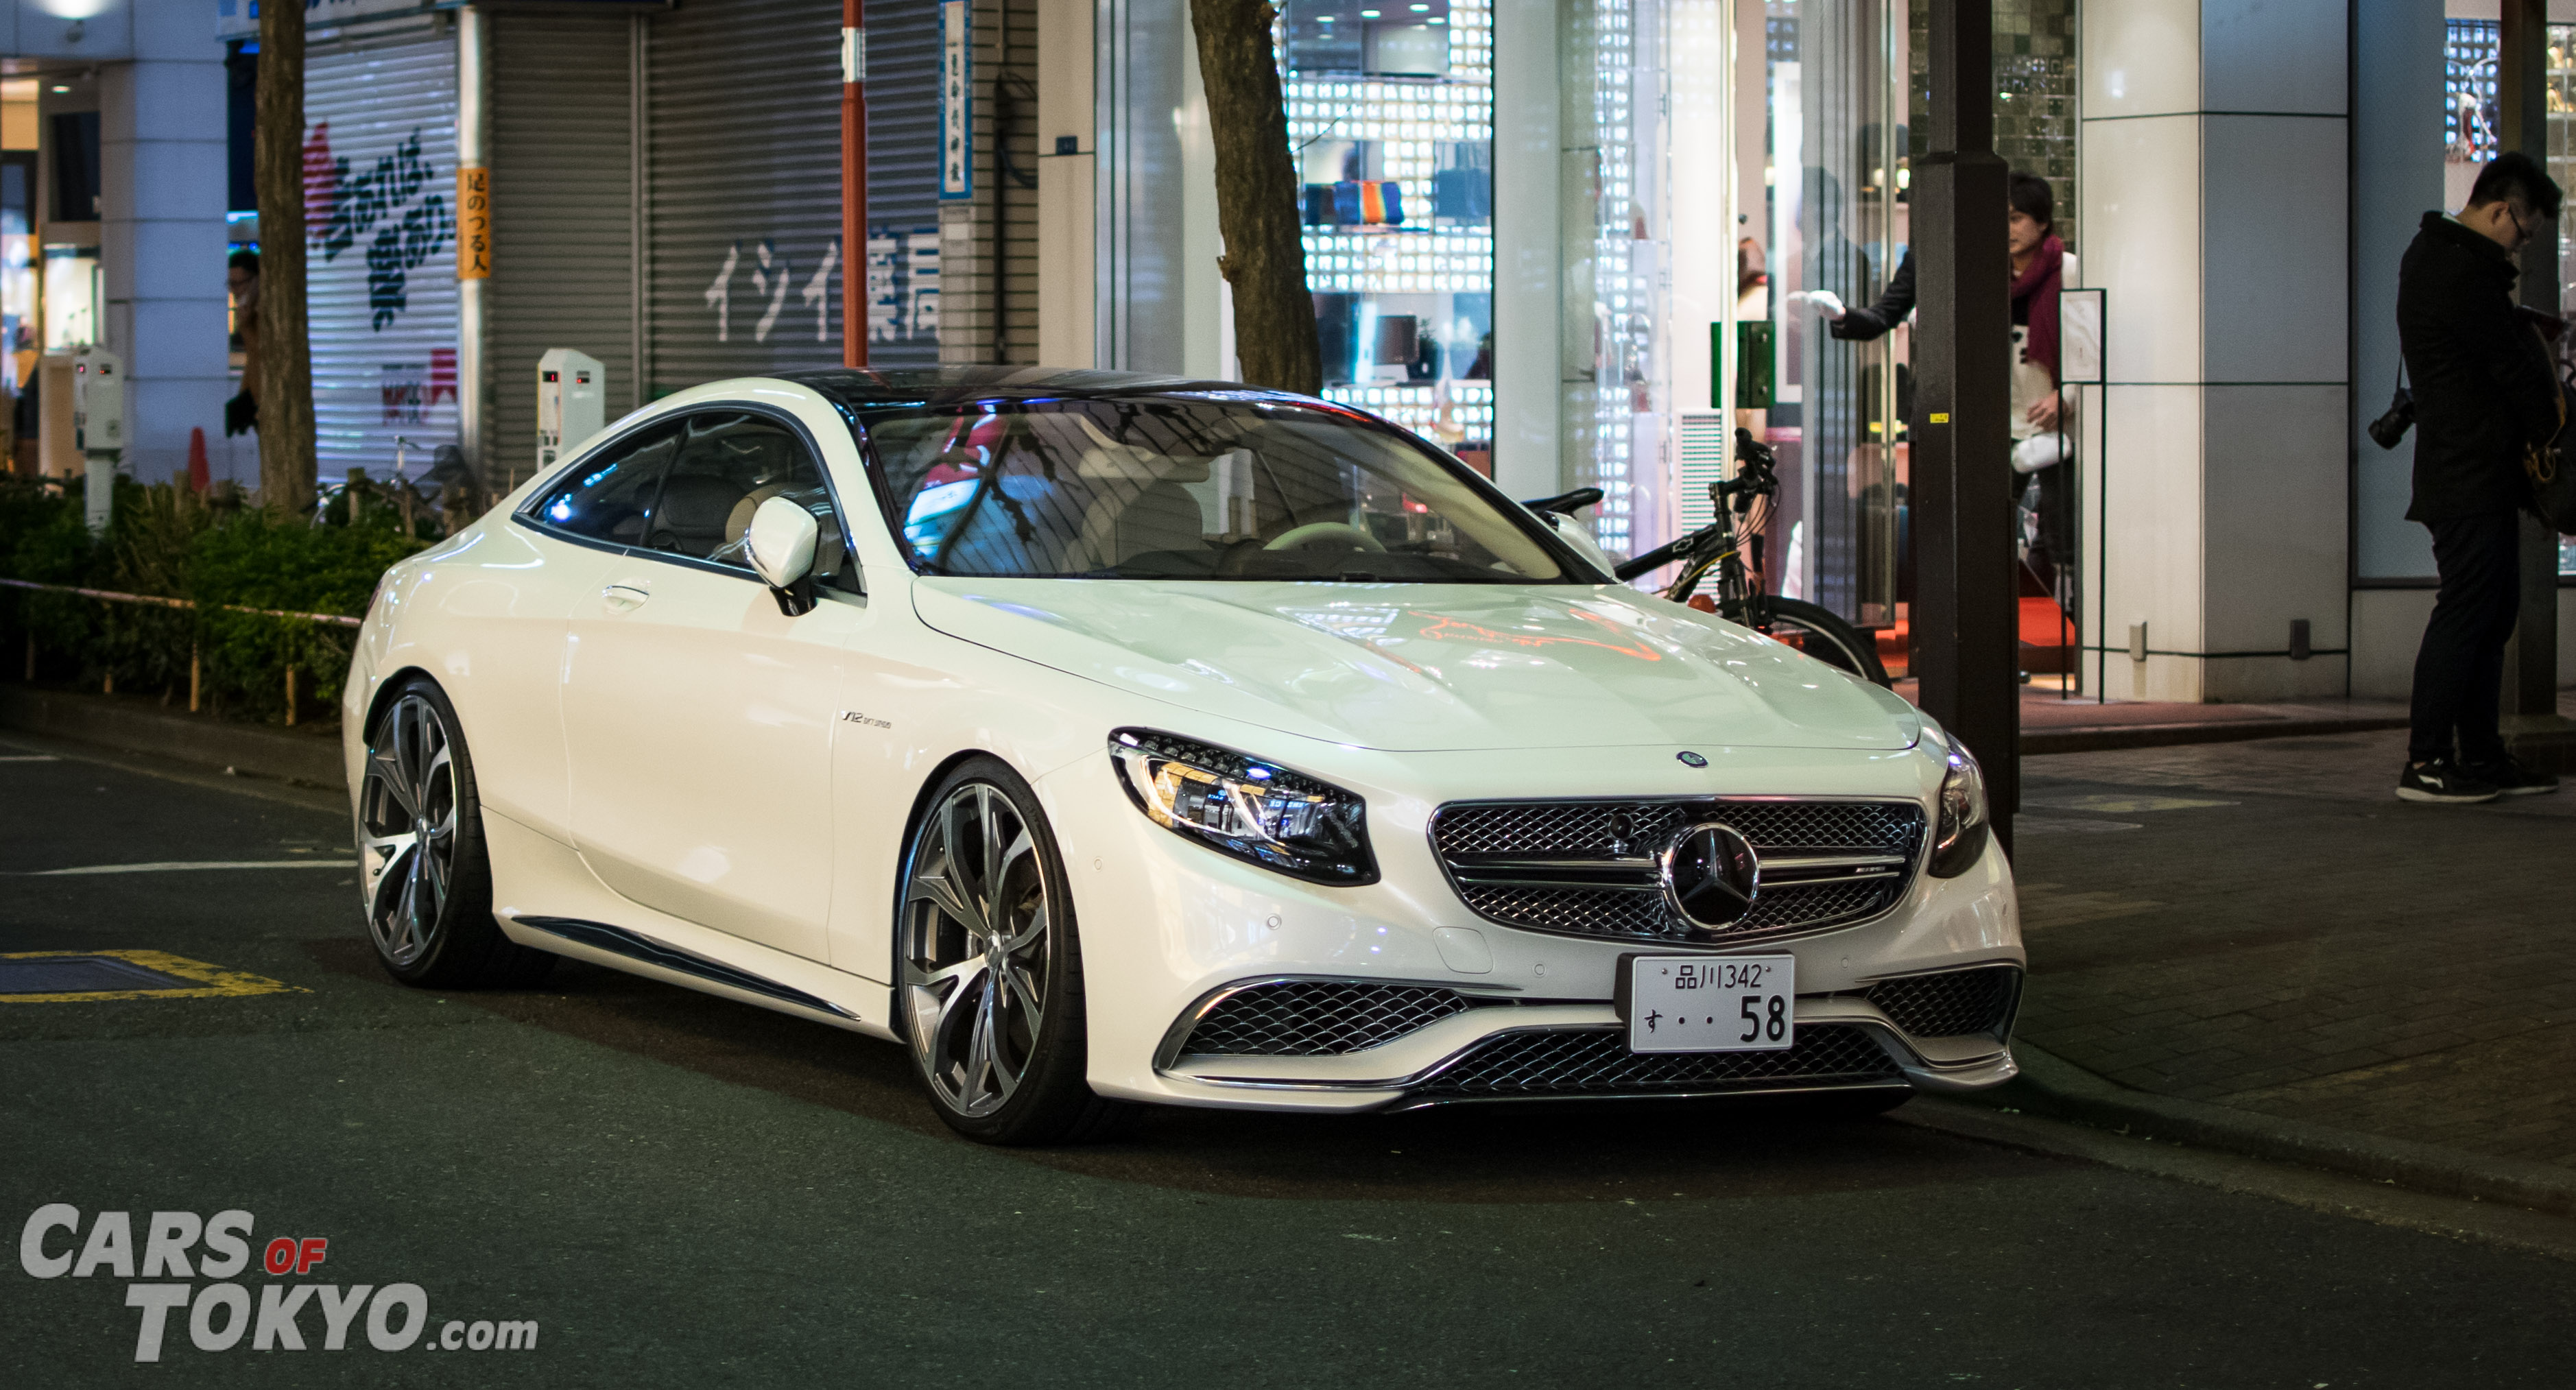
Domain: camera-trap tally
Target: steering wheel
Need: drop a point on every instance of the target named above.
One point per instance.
(1299, 537)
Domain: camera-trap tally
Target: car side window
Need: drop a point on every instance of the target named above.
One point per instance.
(609, 498)
(726, 465)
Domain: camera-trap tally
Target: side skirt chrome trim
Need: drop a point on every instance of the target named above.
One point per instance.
(636, 946)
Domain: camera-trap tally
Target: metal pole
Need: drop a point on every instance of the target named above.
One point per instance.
(473, 88)
(854, 184)
(2522, 97)
(1884, 529)
(1964, 633)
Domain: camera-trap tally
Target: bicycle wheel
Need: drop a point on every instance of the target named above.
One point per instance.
(1824, 636)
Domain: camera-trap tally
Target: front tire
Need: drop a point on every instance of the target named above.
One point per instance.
(991, 966)
(426, 873)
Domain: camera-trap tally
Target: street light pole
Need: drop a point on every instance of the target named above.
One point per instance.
(1965, 635)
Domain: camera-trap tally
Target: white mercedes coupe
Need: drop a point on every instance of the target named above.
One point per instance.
(1108, 739)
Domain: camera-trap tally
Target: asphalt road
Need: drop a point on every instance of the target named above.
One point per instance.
(680, 1190)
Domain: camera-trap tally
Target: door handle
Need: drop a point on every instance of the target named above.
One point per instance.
(624, 597)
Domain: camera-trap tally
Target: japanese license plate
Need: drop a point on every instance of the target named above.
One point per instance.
(1712, 1003)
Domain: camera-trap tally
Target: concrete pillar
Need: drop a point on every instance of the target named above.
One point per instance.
(1529, 250)
(2214, 206)
(162, 196)
(1068, 155)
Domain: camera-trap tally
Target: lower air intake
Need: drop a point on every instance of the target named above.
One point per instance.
(1951, 1004)
(1577, 1062)
(1317, 1018)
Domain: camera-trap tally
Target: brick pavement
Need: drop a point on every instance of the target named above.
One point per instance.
(2262, 925)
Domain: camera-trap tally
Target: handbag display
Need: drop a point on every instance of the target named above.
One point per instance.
(2553, 480)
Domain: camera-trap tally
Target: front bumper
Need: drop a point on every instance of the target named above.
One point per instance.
(1166, 924)
(1503, 1051)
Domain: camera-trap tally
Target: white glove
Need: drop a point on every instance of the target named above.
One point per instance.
(1828, 303)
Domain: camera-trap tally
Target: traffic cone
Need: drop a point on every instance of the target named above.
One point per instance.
(199, 476)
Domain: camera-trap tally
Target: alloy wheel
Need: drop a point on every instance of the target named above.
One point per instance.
(407, 824)
(977, 941)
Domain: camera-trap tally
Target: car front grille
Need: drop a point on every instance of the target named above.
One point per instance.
(1596, 1061)
(1318, 1018)
(1588, 868)
(1951, 1004)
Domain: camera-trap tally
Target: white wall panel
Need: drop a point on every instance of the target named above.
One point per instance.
(2275, 291)
(2275, 533)
(2141, 213)
(2273, 55)
(2141, 58)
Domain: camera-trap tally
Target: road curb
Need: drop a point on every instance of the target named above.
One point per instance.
(2102, 738)
(2051, 1086)
(304, 760)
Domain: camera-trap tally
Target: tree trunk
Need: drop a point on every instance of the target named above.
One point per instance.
(287, 466)
(1257, 196)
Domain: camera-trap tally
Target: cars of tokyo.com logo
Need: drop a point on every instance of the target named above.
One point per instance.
(180, 1247)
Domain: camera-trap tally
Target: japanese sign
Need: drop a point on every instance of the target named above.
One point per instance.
(473, 223)
(956, 99)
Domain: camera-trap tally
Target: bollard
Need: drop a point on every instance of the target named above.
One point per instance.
(290, 697)
(357, 485)
(196, 678)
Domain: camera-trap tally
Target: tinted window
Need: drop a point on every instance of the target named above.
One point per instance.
(1188, 488)
(609, 498)
(726, 465)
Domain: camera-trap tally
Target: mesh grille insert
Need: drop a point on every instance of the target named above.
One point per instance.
(1473, 835)
(1318, 1018)
(1597, 1062)
(1952, 1004)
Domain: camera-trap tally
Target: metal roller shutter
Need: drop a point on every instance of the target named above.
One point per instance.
(563, 215)
(903, 183)
(380, 117)
(743, 190)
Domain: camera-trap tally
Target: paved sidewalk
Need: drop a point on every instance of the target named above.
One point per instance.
(2264, 926)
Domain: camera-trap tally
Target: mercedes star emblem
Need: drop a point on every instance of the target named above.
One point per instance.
(1710, 874)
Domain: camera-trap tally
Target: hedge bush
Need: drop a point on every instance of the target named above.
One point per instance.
(166, 541)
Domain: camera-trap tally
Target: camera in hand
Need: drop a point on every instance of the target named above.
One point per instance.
(2392, 426)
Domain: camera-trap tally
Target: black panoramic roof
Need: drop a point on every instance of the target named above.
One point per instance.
(863, 389)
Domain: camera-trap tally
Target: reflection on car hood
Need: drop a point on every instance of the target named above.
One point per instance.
(1429, 666)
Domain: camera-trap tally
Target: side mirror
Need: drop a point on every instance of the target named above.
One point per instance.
(781, 544)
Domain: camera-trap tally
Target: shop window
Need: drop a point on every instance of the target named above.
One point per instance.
(1390, 107)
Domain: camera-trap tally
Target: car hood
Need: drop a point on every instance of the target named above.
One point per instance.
(1417, 667)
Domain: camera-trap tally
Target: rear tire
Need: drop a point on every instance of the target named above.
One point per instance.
(991, 967)
(1822, 634)
(426, 875)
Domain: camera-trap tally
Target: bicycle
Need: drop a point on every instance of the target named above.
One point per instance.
(1740, 598)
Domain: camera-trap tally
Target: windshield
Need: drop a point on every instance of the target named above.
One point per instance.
(1184, 488)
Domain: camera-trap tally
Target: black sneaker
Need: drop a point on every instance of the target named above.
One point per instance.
(2442, 781)
(2511, 776)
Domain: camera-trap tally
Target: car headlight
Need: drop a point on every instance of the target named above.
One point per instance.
(1959, 837)
(1247, 808)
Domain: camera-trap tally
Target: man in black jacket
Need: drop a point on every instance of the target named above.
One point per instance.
(2485, 389)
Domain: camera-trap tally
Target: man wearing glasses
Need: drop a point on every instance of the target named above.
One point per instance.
(2485, 389)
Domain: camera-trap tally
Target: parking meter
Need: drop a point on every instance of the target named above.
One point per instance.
(98, 427)
(571, 387)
